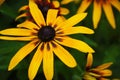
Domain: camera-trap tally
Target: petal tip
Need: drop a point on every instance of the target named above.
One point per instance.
(92, 51)
(9, 68)
(91, 31)
(85, 14)
(114, 26)
(73, 65)
(95, 25)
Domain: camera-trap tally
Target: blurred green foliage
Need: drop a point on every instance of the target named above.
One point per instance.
(105, 41)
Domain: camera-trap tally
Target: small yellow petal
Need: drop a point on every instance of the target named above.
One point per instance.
(96, 13)
(84, 5)
(73, 20)
(78, 44)
(22, 15)
(104, 66)
(89, 60)
(36, 13)
(64, 56)
(18, 38)
(35, 63)
(51, 16)
(116, 4)
(23, 8)
(109, 14)
(16, 32)
(94, 74)
(105, 72)
(89, 77)
(64, 11)
(56, 4)
(48, 63)
(66, 1)
(58, 21)
(21, 54)
(78, 29)
(29, 25)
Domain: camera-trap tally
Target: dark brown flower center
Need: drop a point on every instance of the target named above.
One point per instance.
(46, 33)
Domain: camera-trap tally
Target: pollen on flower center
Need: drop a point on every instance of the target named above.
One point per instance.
(46, 33)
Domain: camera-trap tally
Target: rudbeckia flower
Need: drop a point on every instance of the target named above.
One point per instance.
(44, 6)
(47, 36)
(1, 2)
(98, 73)
(97, 10)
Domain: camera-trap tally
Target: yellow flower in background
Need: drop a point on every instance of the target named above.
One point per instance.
(97, 10)
(98, 73)
(44, 6)
(47, 36)
(1, 2)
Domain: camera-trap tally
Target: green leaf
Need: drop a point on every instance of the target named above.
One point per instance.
(7, 10)
(76, 77)
(112, 53)
(7, 51)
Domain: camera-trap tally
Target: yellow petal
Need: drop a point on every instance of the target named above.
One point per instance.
(84, 5)
(24, 8)
(105, 72)
(77, 44)
(36, 13)
(78, 29)
(35, 63)
(89, 77)
(1, 2)
(94, 74)
(73, 20)
(96, 13)
(21, 54)
(48, 63)
(64, 11)
(29, 25)
(16, 32)
(104, 66)
(89, 60)
(116, 4)
(51, 16)
(18, 38)
(64, 56)
(58, 21)
(66, 1)
(109, 14)
(56, 4)
(22, 15)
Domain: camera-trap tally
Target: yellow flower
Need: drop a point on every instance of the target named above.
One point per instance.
(1, 2)
(44, 6)
(97, 73)
(47, 35)
(97, 10)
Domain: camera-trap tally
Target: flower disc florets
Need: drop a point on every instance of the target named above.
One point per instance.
(46, 33)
